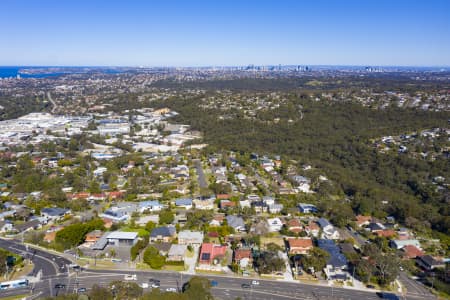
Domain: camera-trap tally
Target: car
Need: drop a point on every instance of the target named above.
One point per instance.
(156, 285)
(60, 286)
(245, 286)
(370, 286)
(82, 290)
(388, 296)
(152, 280)
(171, 289)
(401, 268)
(255, 282)
(214, 283)
(129, 277)
(144, 285)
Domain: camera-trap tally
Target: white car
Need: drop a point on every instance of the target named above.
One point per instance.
(171, 290)
(144, 285)
(255, 282)
(129, 277)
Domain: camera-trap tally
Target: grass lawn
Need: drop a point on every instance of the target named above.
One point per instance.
(17, 297)
(19, 272)
(174, 268)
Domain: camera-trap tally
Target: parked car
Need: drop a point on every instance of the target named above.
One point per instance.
(171, 289)
(388, 296)
(60, 286)
(82, 290)
(255, 282)
(144, 285)
(370, 286)
(129, 277)
(156, 285)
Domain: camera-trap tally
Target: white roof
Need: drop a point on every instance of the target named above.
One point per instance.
(122, 235)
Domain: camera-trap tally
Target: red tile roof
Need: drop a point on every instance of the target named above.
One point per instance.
(412, 251)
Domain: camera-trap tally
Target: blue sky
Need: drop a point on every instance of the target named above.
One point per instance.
(214, 32)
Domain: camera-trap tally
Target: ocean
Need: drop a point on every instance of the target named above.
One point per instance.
(12, 72)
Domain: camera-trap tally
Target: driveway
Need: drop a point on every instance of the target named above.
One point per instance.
(191, 262)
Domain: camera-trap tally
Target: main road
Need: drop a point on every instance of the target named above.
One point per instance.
(54, 271)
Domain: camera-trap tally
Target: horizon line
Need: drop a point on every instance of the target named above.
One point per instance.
(226, 66)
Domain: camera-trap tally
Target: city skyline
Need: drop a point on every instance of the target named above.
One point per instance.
(111, 33)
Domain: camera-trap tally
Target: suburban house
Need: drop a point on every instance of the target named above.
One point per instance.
(93, 236)
(163, 248)
(260, 207)
(363, 220)
(206, 204)
(121, 238)
(236, 222)
(269, 200)
(243, 257)
(210, 252)
(399, 244)
(329, 232)
(312, 229)
(177, 252)
(429, 263)
(299, 245)
(275, 224)
(224, 204)
(411, 251)
(151, 206)
(294, 225)
(6, 226)
(275, 208)
(54, 213)
(187, 237)
(336, 266)
(307, 208)
(30, 225)
(375, 227)
(163, 234)
(185, 203)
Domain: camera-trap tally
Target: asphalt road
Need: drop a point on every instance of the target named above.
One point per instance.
(227, 288)
(201, 175)
(414, 289)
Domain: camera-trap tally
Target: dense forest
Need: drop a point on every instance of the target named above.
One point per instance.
(11, 108)
(335, 138)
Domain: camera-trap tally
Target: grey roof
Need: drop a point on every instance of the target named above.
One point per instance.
(122, 235)
(163, 231)
(235, 221)
(187, 234)
(27, 225)
(177, 250)
(337, 259)
(100, 244)
(162, 247)
(323, 222)
(54, 211)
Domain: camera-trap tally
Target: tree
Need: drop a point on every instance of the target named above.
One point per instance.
(198, 288)
(100, 293)
(153, 258)
(316, 259)
(166, 217)
(150, 226)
